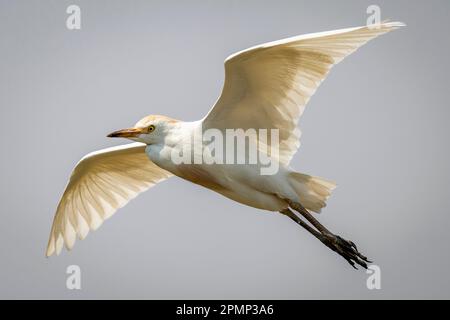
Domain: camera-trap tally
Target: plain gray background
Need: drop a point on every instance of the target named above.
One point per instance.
(378, 126)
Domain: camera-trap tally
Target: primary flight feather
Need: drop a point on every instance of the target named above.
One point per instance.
(266, 87)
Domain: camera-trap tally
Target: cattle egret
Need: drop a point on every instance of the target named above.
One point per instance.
(266, 87)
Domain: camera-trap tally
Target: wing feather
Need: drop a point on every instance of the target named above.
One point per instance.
(101, 183)
(268, 86)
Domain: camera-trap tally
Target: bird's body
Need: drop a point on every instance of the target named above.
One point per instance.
(266, 88)
(240, 182)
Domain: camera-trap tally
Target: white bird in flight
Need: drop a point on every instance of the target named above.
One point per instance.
(266, 86)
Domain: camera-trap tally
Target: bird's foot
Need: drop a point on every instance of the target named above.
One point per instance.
(345, 248)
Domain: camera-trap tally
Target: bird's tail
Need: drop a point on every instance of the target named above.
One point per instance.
(312, 192)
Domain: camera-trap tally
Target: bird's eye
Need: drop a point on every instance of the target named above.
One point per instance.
(151, 128)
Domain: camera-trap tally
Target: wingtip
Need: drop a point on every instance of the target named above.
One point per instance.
(394, 24)
(398, 24)
(50, 248)
(48, 254)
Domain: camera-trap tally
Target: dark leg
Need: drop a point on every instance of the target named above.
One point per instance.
(347, 249)
(297, 219)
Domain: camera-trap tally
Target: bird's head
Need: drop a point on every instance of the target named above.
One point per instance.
(152, 129)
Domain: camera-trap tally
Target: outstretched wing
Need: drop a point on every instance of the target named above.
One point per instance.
(268, 86)
(101, 183)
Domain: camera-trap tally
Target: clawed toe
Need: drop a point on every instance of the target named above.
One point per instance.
(347, 249)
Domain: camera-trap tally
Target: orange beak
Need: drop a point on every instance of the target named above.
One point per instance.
(126, 133)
